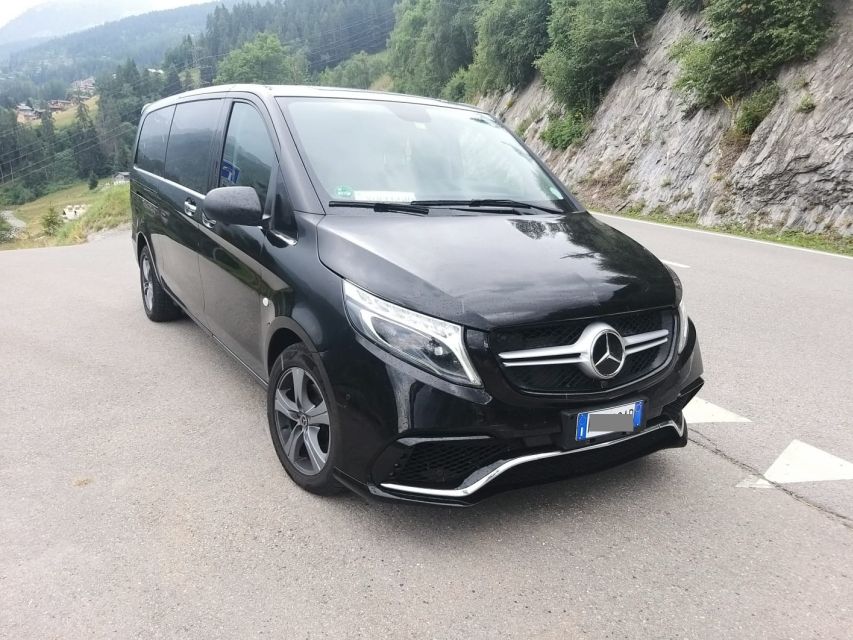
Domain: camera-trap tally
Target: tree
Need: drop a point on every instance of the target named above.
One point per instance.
(430, 42)
(591, 42)
(93, 181)
(263, 60)
(172, 84)
(87, 147)
(51, 221)
(511, 35)
(48, 138)
(206, 72)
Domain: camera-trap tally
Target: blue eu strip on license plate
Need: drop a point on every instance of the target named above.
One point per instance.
(625, 418)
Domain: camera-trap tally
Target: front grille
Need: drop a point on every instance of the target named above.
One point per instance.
(569, 378)
(447, 462)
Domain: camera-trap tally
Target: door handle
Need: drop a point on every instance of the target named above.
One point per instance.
(190, 207)
(207, 222)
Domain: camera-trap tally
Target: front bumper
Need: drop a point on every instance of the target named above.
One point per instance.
(415, 439)
(547, 466)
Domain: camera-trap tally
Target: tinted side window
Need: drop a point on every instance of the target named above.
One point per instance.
(151, 150)
(248, 157)
(188, 154)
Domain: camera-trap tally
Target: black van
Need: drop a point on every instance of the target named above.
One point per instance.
(434, 316)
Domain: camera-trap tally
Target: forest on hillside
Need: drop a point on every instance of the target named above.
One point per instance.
(455, 49)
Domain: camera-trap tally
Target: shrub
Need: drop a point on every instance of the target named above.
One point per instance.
(755, 108)
(566, 130)
(5, 230)
(591, 42)
(358, 72)
(807, 104)
(93, 181)
(749, 41)
(456, 89)
(51, 221)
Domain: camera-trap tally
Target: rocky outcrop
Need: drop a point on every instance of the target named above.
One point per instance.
(644, 150)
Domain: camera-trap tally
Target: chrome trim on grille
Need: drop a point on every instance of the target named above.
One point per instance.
(579, 352)
(472, 483)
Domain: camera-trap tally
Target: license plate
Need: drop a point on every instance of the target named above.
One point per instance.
(622, 419)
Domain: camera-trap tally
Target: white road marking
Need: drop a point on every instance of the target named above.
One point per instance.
(724, 235)
(801, 462)
(675, 264)
(754, 482)
(699, 410)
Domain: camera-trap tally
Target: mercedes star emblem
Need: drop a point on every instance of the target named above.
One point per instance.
(607, 355)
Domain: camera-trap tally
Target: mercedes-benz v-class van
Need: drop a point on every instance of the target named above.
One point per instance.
(434, 316)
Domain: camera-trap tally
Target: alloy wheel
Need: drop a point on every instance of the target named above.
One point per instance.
(302, 421)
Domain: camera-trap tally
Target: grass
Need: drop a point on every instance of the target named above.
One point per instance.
(807, 104)
(755, 108)
(64, 119)
(831, 242)
(562, 132)
(108, 207)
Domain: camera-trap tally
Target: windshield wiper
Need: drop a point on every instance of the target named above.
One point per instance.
(474, 204)
(382, 207)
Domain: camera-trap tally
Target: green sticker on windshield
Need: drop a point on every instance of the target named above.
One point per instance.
(343, 192)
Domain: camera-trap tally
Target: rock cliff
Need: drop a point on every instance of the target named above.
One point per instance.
(644, 150)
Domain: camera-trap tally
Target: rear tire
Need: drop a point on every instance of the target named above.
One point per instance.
(302, 421)
(158, 305)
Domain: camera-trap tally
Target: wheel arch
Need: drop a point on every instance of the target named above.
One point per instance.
(141, 243)
(285, 332)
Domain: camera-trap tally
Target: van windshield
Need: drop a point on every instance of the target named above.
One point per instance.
(369, 150)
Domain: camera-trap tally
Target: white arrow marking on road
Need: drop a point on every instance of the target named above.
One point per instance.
(801, 462)
(699, 410)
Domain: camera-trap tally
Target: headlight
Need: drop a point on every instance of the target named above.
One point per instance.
(683, 326)
(427, 342)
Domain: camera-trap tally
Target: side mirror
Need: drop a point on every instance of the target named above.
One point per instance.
(234, 205)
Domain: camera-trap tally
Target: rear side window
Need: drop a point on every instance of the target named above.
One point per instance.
(188, 154)
(151, 150)
(248, 158)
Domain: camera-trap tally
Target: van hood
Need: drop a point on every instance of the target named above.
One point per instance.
(491, 270)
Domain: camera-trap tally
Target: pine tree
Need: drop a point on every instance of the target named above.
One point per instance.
(87, 148)
(51, 221)
(173, 82)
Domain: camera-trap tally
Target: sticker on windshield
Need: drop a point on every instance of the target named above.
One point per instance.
(343, 192)
(385, 196)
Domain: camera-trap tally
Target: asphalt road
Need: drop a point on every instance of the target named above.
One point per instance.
(140, 496)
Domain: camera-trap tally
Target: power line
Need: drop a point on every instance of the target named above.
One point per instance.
(365, 39)
(36, 147)
(103, 137)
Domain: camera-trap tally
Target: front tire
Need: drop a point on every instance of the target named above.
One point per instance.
(159, 307)
(302, 422)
